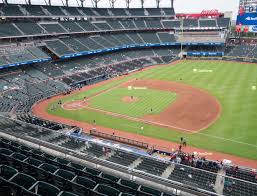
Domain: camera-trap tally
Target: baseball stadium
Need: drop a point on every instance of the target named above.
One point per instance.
(127, 100)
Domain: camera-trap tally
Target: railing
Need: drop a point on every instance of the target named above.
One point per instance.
(119, 139)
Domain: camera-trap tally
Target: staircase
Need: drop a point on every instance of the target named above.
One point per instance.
(168, 171)
(135, 163)
(219, 184)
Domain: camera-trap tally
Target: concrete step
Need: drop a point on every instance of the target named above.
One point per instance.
(135, 163)
(168, 171)
(219, 183)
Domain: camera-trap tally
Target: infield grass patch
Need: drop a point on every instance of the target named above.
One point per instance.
(147, 99)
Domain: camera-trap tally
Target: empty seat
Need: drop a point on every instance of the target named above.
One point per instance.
(44, 189)
(23, 180)
(7, 172)
(82, 185)
(106, 190)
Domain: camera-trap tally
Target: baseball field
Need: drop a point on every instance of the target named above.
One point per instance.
(213, 104)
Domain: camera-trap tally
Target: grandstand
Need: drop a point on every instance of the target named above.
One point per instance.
(52, 50)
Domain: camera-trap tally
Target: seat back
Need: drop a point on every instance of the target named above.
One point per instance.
(7, 172)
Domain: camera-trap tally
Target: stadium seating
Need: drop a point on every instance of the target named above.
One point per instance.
(207, 23)
(34, 166)
(38, 173)
(152, 166)
(189, 23)
(34, 10)
(11, 10)
(29, 28)
(28, 171)
(7, 30)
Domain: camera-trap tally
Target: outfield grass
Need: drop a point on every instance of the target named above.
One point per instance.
(147, 99)
(235, 132)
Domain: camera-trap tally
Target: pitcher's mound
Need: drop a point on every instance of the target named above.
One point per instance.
(130, 99)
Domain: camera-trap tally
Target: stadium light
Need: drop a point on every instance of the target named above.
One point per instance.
(112, 3)
(158, 3)
(142, 3)
(128, 3)
(95, 3)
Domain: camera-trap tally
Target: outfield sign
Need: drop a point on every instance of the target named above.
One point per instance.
(247, 20)
(214, 54)
(142, 46)
(25, 63)
(253, 28)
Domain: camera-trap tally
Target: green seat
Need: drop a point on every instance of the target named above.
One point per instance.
(62, 179)
(65, 174)
(126, 194)
(86, 182)
(65, 193)
(92, 171)
(106, 190)
(44, 189)
(127, 186)
(18, 156)
(5, 151)
(62, 161)
(16, 160)
(48, 167)
(34, 162)
(130, 184)
(110, 177)
(77, 166)
(5, 143)
(31, 165)
(23, 180)
(83, 185)
(150, 191)
(7, 172)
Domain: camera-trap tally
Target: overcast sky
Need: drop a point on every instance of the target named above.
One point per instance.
(180, 5)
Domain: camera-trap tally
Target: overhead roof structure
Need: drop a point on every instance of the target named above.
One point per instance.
(81, 3)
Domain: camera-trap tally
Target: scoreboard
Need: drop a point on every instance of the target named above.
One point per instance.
(247, 16)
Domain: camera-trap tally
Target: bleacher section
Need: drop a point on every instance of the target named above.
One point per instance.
(28, 172)
(37, 10)
(70, 26)
(11, 54)
(34, 166)
(21, 89)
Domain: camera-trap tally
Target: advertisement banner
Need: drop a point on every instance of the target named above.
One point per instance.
(253, 28)
(247, 19)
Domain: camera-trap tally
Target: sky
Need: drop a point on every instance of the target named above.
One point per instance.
(184, 6)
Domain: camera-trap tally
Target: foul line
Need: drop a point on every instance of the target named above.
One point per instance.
(225, 139)
(137, 119)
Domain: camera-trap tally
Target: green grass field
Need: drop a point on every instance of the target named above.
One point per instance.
(235, 132)
(147, 99)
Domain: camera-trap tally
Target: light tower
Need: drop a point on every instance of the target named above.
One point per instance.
(112, 3)
(128, 3)
(142, 3)
(82, 3)
(95, 3)
(158, 3)
(172, 3)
